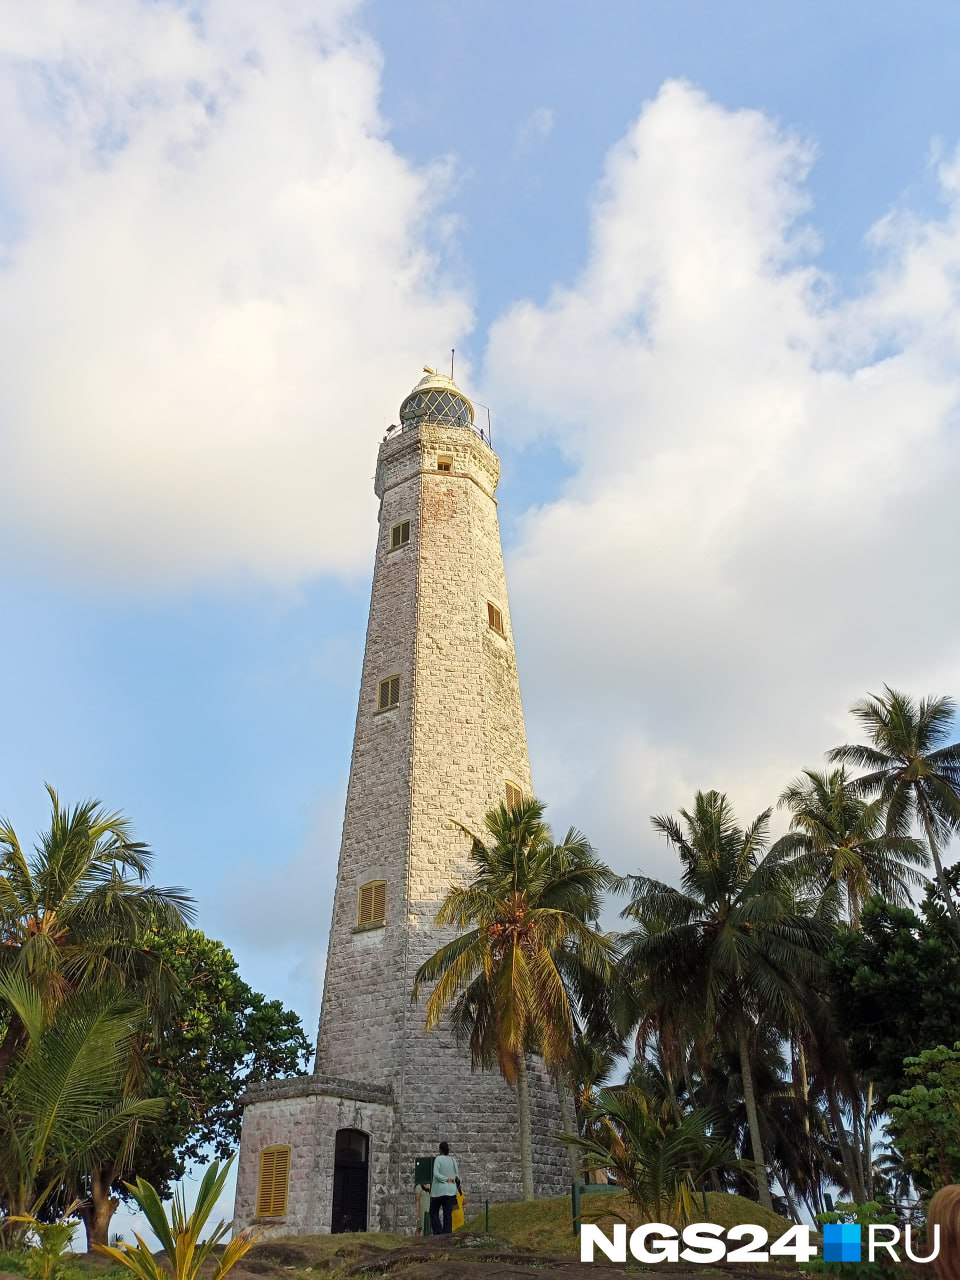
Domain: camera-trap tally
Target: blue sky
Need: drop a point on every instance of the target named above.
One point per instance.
(701, 261)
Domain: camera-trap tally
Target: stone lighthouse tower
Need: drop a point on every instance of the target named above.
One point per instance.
(439, 741)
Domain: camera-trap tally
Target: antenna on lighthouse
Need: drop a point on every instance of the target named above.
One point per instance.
(453, 352)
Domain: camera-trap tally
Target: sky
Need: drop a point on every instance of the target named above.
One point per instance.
(701, 261)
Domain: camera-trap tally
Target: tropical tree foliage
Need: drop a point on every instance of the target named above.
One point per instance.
(527, 941)
(66, 1100)
(925, 1117)
(841, 843)
(187, 1256)
(895, 987)
(225, 1038)
(732, 945)
(77, 990)
(661, 1158)
(765, 988)
(127, 1037)
(912, 770)
(73, 917)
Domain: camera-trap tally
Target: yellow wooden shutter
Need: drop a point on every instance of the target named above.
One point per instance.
(380, 900)
(514, 795)
(389, 695)
(372, 907)
(365, 905)
(274, 1179)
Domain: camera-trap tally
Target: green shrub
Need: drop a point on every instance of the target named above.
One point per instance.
(179, 1235)
(863, 1215)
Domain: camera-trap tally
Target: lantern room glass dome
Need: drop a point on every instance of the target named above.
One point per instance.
(436, 399)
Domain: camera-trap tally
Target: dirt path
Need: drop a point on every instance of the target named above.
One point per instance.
(466, 1257)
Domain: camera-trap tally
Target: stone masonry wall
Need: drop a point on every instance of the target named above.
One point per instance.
(305, 1114)
(468, 741)
(364, 1003)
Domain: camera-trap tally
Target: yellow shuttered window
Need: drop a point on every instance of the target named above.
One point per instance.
(372, 907)
(495, 618)
(389, 693)
(514, 795)
(274, 1179)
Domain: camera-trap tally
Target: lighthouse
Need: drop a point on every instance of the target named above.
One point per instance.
(439, 741)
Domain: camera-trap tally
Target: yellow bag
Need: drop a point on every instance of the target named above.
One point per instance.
(457, 1216)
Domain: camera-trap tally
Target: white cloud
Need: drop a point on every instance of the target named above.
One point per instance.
(761, 524)
(216, 274)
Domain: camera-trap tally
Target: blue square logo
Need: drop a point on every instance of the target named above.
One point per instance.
(841, 1242)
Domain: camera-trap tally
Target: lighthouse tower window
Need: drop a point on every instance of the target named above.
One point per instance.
(372, 904)
(389, 695)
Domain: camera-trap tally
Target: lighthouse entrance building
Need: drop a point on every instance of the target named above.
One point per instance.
(439, 741)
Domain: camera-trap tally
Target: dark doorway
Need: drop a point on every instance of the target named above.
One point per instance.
(350, 1181)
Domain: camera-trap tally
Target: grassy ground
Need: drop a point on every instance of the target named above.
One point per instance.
(78, 1266)
(546, 1225)
(297, 1255)
(291, 1258)
(542, 1228)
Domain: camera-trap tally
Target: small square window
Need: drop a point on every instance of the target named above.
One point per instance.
(444, 462)
(389, 693)
(400, 535)
(514, 795)
(495, 618)
(372, 903)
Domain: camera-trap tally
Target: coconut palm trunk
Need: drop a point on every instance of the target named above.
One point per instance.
(753, 1118)
(569, 1119)
(868, 1143)
(846, 1152)
(526, 1137)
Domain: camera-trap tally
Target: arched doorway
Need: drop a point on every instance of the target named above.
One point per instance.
(350, 1161)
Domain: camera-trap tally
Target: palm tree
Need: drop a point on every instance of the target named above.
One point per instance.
(528, 927)
(76, 915)
(841, 841)
(841, 844)
(588, 1067)
(828, 1074)
(795, 1133)
(913, 776)
(66, 1099)
(732, 946)
(660, 1158)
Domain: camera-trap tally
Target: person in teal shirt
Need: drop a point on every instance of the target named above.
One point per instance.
(443, 1191)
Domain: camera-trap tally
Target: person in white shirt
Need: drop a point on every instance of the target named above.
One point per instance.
(443, 1191)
